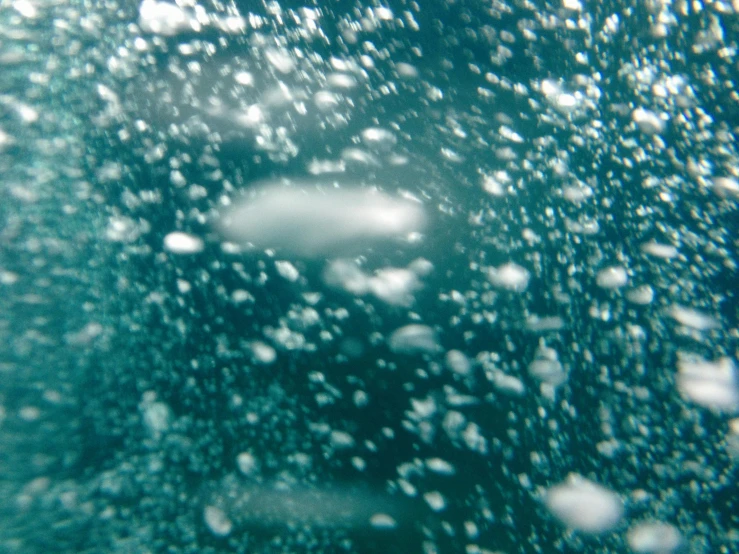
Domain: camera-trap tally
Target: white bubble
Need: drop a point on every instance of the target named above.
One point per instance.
(313, 222)
(244, 78)
(658, 250)
(164, 18)
(545, 323)
(458, 362)
(241, 295)
(341, 81)
(406, 70)
(319, 167)
(377, 138)
(510, 276)
(654, 538)
(546, 366)
(713, 385)
(726, 187)
(382, 521)
(287, 270)
(437, 465)
(341, 439)
(391, 285)
(217, 521)
(435, 500)
(359, 157)
(383, 13)
(122, 229)
(263, 353)
(508, 384)
(641, 295)
(281, 60)
(692, 318)
(347, 275)
(612, 277)
(566, 101)
(183, 243)
(246, 463)
(414, 338)
(577, 194)
(394, 285)
(325, 100)
(584, 505)
(648, 122)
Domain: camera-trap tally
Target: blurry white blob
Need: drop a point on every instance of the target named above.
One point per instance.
(318, 223)
(692, 318)
(244, 78)
(659, 250)
(157, 416)
(182, 243)
(319, 167)
(394, 285)
(612, 277)
(574, 5)
(435, 500)
(577, 194)
(414, 338)
(440, 466)
(458, 362)
(496, 184)
(732, 440)
(510, 276)
(726, 187)
(543, 324)
(406, 70)
(557, 97)
(654, 538)
(380, 139)
(281, 95)
(584, 226)
(648, 122)
(583, 505)
(546, 366)
(452, 155)
(263, 353)
(347, 274)
(341, 80)
(281, 60)
(641, 295)
(125, 229)
(287, 270)
(508, 384)
(26, 8)
(5, 140)
(83, 336)
(247, 463)
(249, 117)
(341, 439)
(359, 157)
(382, 521)
(282, 504)
(390, 284)
(711, 384)
(325, 100)
(217, 521)
(164, 18)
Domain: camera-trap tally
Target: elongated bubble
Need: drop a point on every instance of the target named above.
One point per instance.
(312, 222)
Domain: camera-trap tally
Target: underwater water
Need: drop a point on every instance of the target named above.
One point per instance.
(434, 277)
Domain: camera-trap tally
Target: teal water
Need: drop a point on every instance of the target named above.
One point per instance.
(244, 398)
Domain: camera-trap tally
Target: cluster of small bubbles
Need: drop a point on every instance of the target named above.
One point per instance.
(363, 278)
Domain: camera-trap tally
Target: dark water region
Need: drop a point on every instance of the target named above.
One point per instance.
(546, 364)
